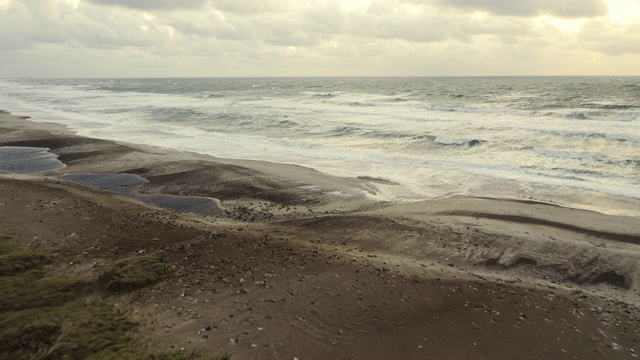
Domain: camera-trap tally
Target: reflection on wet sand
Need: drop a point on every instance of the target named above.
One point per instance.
(37, 160)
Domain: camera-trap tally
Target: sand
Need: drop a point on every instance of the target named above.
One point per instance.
(300, 264)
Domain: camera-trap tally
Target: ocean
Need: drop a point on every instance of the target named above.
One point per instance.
(571, 141)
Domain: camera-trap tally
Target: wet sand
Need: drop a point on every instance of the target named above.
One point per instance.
(299, 264)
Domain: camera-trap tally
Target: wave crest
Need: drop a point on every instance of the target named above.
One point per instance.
(459, 142)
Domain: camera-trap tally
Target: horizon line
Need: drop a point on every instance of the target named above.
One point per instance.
(308, 76)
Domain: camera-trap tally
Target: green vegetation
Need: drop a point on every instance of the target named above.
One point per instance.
(14, 260)
(133, 273)
(34, 289)
(78, 330)
(43, 316)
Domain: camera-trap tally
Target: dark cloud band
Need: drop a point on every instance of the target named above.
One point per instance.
(153, 4)
(559, 8)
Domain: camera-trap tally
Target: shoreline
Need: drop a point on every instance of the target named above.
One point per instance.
(385, 190)
(296, 175)
(316, 268)
(135, 154)
(288, 192)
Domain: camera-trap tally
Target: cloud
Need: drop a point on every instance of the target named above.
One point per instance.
(251, 6)
(558, 8)
(231, 6)
(153, 4)
(598, 35)
(30, 24)
(312, 37)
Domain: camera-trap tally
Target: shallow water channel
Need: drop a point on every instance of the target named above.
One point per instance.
(36, 160)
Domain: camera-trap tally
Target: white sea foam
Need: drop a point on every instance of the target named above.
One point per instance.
(434, 137)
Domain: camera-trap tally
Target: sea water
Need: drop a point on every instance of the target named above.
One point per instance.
(574, 141)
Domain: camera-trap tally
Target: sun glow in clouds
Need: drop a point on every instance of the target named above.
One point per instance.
(355, 4)
(171, 31)
(4, 4)
(566, 25)
(74, 3)
(624, 11)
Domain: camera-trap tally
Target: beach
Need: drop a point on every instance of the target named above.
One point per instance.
(284, 262)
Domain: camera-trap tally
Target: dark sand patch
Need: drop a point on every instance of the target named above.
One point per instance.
(629, 238)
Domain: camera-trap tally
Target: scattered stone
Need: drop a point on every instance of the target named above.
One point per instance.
(598, 310)
(212, 235)
(615, 346)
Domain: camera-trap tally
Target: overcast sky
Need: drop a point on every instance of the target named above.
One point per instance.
(142, 38)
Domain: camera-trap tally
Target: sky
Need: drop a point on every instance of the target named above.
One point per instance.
(228, 38)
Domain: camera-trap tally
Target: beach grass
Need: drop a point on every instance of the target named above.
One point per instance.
(14, 260)
(133, 273)
(47, 316)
